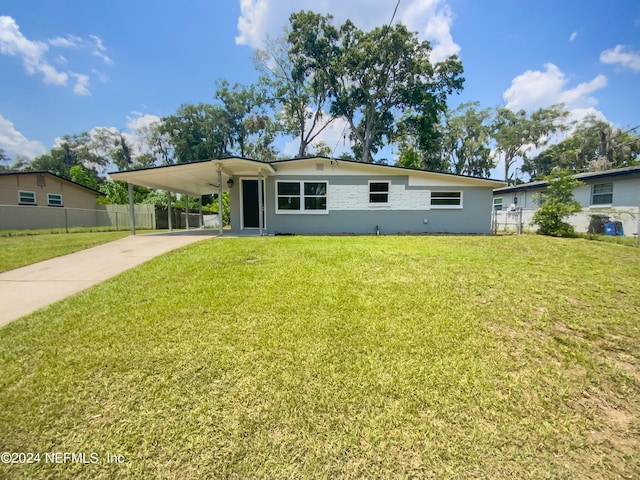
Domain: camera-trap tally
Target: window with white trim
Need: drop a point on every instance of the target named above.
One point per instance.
(602, 194)
(446, 199)
(301, 197)
(26, 198)
(497, 204)
(379, 193)
(54, 199)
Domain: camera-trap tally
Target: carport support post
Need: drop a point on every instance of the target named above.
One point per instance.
(169, 211)
(260, 215)
(220, 198)
(186, 209)
(200, 219)
(132, 210)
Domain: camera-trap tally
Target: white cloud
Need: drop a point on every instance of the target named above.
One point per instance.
(99, 49)
(81, 86)
(432, 19)
(536, 89)
(13, 142)
(623, 56)
(99, 75)
(573, 36)
(140, 120)
(32, 53)
(71, 41)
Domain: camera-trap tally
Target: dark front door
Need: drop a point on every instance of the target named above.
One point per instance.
(250, 218)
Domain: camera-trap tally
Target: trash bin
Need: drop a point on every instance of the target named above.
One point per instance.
(619, 229)
(610, 228)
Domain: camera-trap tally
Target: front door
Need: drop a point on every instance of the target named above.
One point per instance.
(250, 207)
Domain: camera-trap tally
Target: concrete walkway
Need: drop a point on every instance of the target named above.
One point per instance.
(25, 290)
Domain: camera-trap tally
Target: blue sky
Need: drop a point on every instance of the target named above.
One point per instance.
(69, 66)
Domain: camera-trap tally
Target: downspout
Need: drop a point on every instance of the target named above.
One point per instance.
(260, 215)
(132, 209)
(220, 197)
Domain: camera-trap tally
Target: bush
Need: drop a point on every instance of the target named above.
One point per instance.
(558, 205)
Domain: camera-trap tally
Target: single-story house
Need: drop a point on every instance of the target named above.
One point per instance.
(44, 200)
(323, 195)
(44, 188)
(611, 195)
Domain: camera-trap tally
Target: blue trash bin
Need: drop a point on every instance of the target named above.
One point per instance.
(619, 229)
(610, 228)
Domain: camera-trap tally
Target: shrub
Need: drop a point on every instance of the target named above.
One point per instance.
(558, 205)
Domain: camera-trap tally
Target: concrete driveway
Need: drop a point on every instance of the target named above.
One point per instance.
(25, 290)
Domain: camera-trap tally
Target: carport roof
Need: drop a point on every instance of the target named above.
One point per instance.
(198, 178)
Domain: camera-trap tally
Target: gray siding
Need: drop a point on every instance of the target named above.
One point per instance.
(474, 217)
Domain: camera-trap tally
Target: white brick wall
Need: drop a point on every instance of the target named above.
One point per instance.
(356, 197)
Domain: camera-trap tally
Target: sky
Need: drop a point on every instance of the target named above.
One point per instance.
(68, 66)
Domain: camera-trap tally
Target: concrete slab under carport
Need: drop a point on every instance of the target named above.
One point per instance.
(27, 289)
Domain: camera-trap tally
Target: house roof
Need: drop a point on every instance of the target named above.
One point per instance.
(585, 176)
(201, 178)
(47, 172)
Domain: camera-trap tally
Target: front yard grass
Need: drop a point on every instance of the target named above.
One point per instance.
(18, 250)
(338, 357)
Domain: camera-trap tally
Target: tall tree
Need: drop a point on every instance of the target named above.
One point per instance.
(303, 100)
(595, 145)
(251, 129)
(466, 139)
(373, 76)
(196, 132)
(517, 132)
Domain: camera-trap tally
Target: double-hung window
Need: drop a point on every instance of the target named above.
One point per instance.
(378, 193)
(54, 199)
(446, 199)
(301, 197)
(497, 204)
(26, 198)
(602, 194)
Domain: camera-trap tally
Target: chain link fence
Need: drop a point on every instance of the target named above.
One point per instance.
(108, 217)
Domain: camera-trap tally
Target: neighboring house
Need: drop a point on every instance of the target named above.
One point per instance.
(612, 195)
(327, 196)
(44, 189)
(41, 189)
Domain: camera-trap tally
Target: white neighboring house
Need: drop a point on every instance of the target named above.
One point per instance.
(611, 195)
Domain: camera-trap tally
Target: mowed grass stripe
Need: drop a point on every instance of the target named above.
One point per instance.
(351, 357)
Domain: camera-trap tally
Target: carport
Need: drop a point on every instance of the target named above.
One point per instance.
(197, 179)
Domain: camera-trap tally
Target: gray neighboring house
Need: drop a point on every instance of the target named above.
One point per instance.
(611, 195)
(322, 195)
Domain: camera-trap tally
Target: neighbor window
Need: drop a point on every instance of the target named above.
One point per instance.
(54, 199)
(497, 204)
(301, 197)
(602, 194)
(446, 199)
(26, 198)
(378, 192)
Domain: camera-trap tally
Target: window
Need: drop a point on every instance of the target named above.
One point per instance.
(379, 192)
(446, 199)
(602, 194)
(54, 199)
(301, 197)
(497, 204)
(26, 198)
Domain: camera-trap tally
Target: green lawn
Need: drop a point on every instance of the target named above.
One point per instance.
(338, 357)
(18, 250)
